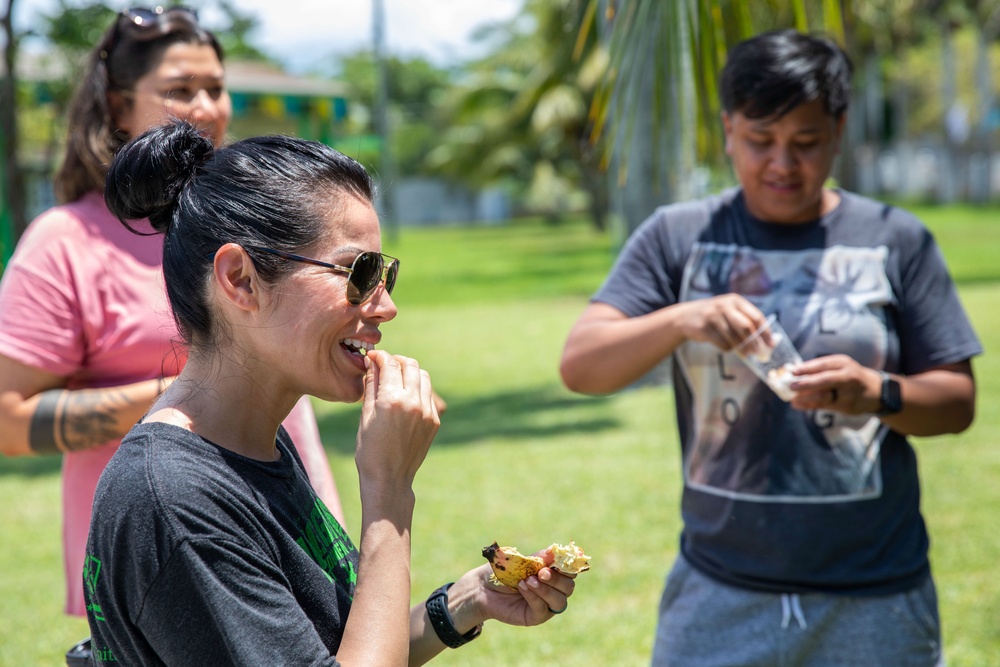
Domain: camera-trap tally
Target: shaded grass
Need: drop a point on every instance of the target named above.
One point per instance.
(521, 460)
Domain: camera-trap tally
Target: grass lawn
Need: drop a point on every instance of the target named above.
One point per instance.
(523, 461)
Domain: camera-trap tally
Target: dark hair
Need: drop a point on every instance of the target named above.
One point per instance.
(115, 64)
(774, 72)
(273, 192)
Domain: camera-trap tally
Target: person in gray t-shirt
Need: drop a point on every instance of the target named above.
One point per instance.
(806, 509)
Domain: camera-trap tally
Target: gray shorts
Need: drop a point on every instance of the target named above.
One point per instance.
(704, 623)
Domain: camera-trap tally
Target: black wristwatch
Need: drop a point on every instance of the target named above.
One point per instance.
(891, 400)
(441, 621)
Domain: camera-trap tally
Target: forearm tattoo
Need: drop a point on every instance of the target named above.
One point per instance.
(67, 421)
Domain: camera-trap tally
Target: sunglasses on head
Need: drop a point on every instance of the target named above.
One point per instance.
(145, 18)
(364, 274)
(143, 23)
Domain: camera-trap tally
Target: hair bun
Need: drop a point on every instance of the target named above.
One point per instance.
(149, 172)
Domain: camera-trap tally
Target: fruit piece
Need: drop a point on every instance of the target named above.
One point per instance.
(569, 559)
(510, 566)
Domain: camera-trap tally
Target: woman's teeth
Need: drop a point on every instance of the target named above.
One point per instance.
(358, 346)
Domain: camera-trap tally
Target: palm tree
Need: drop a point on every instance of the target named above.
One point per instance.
(521, 113)
(659, 105)
(689, 38)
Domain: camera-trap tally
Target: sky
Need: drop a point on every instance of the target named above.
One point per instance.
(302, 33)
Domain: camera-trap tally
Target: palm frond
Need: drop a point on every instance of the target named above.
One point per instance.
(667, 52)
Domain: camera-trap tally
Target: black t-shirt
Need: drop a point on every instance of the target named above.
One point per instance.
(776, 498)
(200, 556)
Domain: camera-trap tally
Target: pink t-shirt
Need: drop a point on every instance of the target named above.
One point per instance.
(83, 297)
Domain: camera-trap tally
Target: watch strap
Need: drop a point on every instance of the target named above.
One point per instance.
(441, 621)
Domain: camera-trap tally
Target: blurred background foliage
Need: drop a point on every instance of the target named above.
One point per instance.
(605, 107)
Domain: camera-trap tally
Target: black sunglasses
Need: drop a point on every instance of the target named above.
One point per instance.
(364, 274)
(144, 23)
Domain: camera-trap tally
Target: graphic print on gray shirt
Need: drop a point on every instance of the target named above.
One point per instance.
(828, 300)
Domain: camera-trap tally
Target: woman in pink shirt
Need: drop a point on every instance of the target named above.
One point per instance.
(87, 338)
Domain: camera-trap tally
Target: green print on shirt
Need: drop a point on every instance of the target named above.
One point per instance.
(327, 544)
(91, 570)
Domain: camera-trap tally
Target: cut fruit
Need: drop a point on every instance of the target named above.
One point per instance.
(510, 566)
(569, 559)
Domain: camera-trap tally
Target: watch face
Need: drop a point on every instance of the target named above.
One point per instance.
(891, 398)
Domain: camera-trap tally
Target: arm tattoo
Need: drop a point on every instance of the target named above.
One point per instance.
(67, 421)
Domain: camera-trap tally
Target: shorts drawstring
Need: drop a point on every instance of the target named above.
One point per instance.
(792, 606)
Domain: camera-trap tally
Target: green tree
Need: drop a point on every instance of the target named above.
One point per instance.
(72, 31)
(13, 217)
(665, 57)
(75, 28)
(659, 102)
(917, 59)
(520, 114)
(415, 87)
(32, 111)
(236, 31)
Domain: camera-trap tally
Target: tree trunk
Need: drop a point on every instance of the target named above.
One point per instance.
(874, 99)
(654, 165)
(983, 178)
(901, 140)
(596, 182)
(950, 182)
(13, 178)
(388, 186)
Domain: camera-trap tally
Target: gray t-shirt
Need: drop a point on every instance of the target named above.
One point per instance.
(200, 556)
(775, 498)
